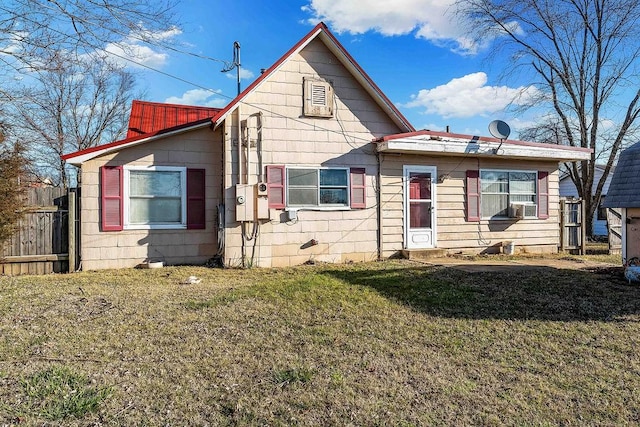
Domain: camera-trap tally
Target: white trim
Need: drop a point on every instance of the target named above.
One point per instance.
(434, 207)
(183, 198)
(465, 147)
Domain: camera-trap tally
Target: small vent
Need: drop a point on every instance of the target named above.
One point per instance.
(318, 98)
(319, 95)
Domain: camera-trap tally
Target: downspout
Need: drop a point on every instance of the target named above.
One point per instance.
(378, 189)
(221, 214)
(239, 139)
(259, 146)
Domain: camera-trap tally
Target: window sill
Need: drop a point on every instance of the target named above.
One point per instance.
(155, 227)
(317, 208)
(507, 218)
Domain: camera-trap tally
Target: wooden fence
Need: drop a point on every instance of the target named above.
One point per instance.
(614, 226)
(572, 230)
(42, 241)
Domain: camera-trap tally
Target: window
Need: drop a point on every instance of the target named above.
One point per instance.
(156, 196)
(316, 187)
(135, 197)
(501, 189)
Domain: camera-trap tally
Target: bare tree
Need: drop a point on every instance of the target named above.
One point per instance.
(71, 104)
(583, 56)
(11, 189)
(61, 85)
(29, 29)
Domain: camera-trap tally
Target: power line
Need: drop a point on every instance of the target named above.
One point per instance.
(197, 85)
(131, 35)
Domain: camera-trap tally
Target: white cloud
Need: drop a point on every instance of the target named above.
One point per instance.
(199, 97)
(433, 20)
(144, 34)
(136, 52)
(15, 42)
(433, 127)
(244, 74)
(469, 96)
(139, 53)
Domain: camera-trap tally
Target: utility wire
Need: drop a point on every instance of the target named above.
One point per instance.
(216, 92)
(130, 35)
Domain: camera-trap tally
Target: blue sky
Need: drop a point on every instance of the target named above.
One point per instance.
(414, 50)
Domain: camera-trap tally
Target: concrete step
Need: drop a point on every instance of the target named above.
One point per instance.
(423, 254)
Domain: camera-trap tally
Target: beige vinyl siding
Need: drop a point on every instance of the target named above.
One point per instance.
(454, 233)
(292, 139)
(117, 249)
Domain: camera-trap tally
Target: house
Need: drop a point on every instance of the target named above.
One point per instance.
(311, 162)
(623, 193)
(568, 190)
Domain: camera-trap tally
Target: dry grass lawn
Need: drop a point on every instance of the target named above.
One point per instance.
(390, 343)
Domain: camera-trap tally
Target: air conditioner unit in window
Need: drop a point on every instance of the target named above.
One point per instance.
(523, 210)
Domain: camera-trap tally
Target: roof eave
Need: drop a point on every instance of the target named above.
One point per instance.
(450, 147)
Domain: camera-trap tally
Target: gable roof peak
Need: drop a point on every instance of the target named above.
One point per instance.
(322, 32)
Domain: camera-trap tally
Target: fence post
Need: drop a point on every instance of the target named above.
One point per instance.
(583, 229)
(72, 230)
(562, 230)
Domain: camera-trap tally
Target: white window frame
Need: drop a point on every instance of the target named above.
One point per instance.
(535, 181)
(319, 206)
(127, 201)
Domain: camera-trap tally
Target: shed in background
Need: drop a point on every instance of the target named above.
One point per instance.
(624, 193)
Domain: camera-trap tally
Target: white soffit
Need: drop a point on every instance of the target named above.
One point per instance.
(472, 148)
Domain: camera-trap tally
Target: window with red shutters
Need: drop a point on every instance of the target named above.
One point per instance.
(473, 195)
(358, 188)
(543, 194)
(111, 189)
(276, 186)
(196, 199)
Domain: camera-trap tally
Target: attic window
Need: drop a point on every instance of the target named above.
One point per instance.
(318, 98)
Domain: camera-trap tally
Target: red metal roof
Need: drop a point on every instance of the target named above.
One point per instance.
(148, 117)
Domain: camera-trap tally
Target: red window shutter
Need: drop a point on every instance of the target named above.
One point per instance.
(195, 199)
(111, 197)
(358, 184)
(473, 195)
(275, 186)
(543, 194)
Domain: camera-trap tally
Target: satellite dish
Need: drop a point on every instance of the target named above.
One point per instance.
(499, 129)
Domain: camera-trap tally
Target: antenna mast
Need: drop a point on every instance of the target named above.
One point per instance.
(235, 63)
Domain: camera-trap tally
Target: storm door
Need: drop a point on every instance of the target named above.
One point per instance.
(419, 207)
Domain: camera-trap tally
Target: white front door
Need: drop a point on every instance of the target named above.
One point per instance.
(419, 207)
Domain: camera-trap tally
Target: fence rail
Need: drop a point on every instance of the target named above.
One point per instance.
(41, 242)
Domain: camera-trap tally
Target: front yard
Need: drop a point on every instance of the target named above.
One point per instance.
(389, 343)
